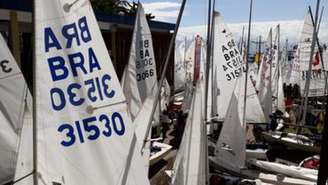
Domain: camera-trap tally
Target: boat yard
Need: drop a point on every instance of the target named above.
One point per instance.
(163, 93)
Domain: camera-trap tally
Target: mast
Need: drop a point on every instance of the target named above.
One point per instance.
(247, 55)
(34, 132)
(278, 65)
(167, 59)
(323, 168)
(242, 40)
(208, 64)
(184, 58)
(308, 77)
(214, 93)
(318, 45)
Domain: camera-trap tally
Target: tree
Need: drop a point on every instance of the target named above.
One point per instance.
(121, 7)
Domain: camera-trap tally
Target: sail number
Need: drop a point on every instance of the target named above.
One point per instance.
(97, 89)
(92, 128)
(4, 66)
(146, 74)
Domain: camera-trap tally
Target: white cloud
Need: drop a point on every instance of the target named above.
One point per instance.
(289, 29)
(164, 11)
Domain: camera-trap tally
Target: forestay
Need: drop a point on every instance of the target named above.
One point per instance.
(190, 161)
(13, 94)
(229, 64)
(84, 133)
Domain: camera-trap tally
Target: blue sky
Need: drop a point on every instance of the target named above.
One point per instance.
(266, 14)
(235, 11)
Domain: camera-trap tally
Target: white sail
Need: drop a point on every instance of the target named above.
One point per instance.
(189, 167)
(317, 83)
(8, 146)
(165, 95)
(277, 74)
(263, 84)
(281, 97)
(179, 66)
(295, 71)
(84, 133)
(140, 77)
(275, 62)
(229, 67)
(13, 88)
(25, 153)
(231, 145)
(13, 96)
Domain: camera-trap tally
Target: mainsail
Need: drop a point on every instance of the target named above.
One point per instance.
(13, 96)
(263, 84)
(317, 85)
(84, 133)
(140, 78)
(231, 145)
(188, 168)
(229, 67)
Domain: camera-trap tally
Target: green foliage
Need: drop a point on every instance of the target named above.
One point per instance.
(121, 7)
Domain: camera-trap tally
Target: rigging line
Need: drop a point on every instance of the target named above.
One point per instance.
(22, 178)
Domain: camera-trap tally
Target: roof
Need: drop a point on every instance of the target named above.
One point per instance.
(26, 5)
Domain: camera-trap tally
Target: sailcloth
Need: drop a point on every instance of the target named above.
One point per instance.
(317, 83)
(229, 67)
(264, 84)
(84, 133)
(165, 95)
(179, 66)
(140, 78)
(189, 165)
(231, 145)
(13, 95)
(275, 62)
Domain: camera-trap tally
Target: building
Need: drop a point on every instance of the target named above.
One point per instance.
(16, 26)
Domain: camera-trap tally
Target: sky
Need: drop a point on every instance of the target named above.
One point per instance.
(266, 13)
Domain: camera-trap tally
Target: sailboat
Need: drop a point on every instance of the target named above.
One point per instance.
(299, 69)
(15, 103)
(230, 153)
(264, 82)
(84, 134)
(229, 64)
(190, 162)
(140, 83)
